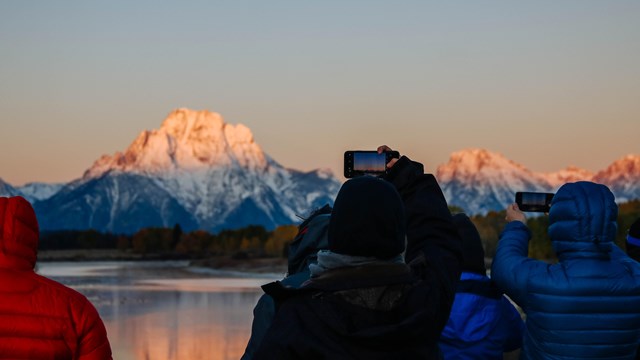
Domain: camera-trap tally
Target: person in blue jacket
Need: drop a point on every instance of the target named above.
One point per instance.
(586, 306)
(483, 323)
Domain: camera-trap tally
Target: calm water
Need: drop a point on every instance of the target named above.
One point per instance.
(166, 310)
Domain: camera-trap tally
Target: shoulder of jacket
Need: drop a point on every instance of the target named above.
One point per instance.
(59, 289)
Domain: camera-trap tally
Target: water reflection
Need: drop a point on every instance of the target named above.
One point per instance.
(164, 310)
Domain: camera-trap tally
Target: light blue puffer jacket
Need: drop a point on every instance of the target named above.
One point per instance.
(587, 306)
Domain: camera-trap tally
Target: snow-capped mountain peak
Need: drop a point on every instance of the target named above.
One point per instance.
(477, 163)
(622, 177)
(474, 174)
(187, 140)
(195, 169)
(625, 167)
(36, 191)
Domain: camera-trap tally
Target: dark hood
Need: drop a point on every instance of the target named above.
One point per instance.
(472, 250)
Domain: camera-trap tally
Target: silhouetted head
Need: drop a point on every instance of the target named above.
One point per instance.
(472, 250)
(368, 219)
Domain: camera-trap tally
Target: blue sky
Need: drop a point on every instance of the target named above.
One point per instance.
(546, 83)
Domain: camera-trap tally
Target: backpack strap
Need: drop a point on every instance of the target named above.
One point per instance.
(280, 292)
(312, 236)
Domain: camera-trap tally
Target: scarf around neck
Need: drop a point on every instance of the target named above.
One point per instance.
(328, 260)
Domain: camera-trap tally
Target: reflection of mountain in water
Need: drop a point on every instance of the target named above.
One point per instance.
(162, 310)
(189, 325)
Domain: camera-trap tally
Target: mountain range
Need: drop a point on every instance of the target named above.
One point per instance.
(479, 181)
(198, 171)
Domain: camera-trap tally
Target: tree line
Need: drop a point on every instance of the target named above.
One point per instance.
(251, 241)
(256, 241)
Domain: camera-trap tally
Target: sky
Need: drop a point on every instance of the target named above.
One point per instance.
(545, 83)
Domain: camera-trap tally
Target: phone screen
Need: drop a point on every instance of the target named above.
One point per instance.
(534, 201)
(366, 162)
(531, 198)
(369, 162)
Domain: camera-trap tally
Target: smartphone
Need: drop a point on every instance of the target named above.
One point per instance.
(534, 201)
(367, 162)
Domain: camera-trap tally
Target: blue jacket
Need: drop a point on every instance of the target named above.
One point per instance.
(587, 306)
(483, 323)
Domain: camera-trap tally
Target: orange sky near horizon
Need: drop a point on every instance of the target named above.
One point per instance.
(546, 84)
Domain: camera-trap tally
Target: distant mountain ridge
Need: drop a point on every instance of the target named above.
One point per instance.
(203, 173)
(479, 181)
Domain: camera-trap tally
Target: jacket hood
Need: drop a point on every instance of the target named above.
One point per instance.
(368, 219)
(19, 234)
(473, 317)
(472, 250)
(583, 220)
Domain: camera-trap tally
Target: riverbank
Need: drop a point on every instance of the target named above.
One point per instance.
(251, 265)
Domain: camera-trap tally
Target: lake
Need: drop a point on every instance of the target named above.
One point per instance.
(166, 309)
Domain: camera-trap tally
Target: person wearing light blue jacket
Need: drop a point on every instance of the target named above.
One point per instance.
(586, 306)
(483, 324)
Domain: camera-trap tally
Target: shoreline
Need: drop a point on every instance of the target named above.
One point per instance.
(251, 265)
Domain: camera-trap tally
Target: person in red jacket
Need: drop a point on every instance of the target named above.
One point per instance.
(40, 318)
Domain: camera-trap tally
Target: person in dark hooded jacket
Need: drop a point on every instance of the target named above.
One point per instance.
(385, 287)
(586, 305)
(483, 323)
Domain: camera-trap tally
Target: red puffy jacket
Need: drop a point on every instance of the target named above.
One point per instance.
(40, 318)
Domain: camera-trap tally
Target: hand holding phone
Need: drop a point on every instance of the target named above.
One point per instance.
(514, 214)
(367, 162)
(534, 201)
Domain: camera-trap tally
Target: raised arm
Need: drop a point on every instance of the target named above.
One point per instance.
(511, 265)
(431, 235)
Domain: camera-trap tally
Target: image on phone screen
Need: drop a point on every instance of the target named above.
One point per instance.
(369, 162)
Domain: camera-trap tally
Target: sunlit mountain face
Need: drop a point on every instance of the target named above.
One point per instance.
(195, 170)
